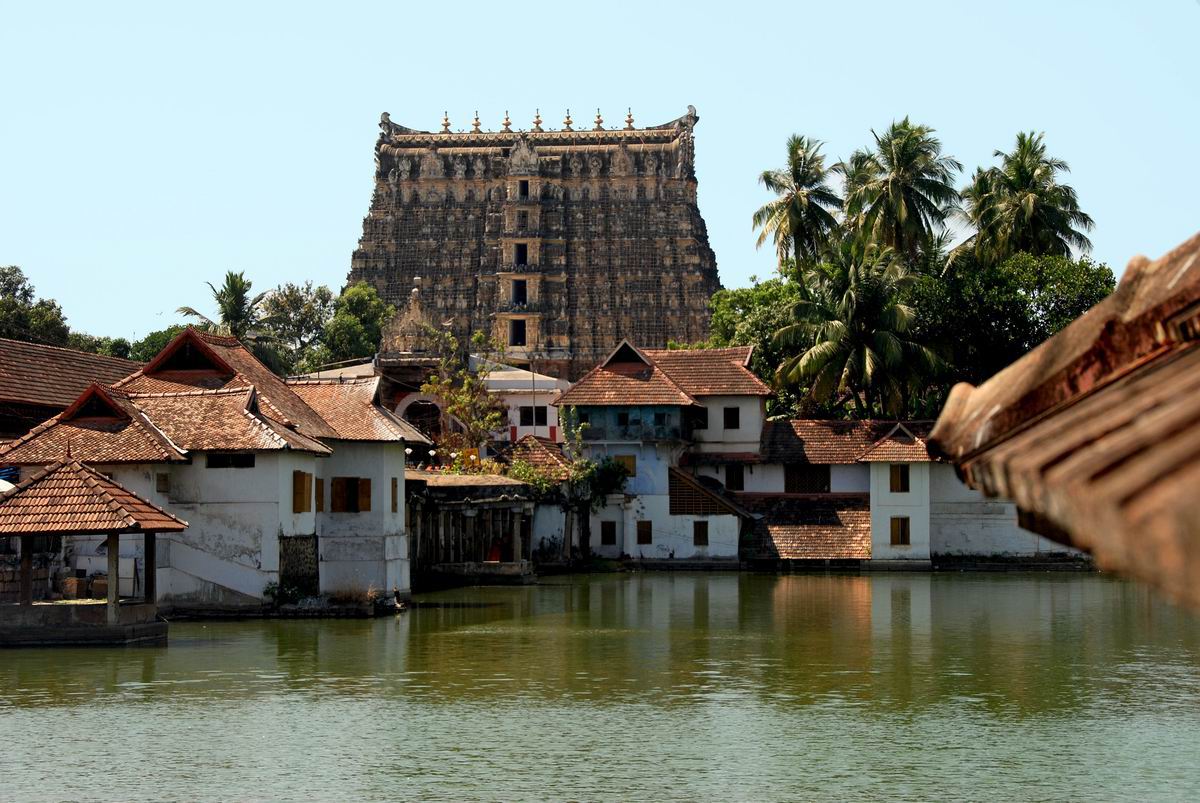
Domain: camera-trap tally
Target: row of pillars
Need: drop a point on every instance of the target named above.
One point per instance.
(113, 546)
(466, 534)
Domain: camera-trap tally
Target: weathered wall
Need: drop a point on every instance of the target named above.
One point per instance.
(965, 522)
(672, 535)
(716, 438)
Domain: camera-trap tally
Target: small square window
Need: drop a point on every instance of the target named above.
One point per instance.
(660, 419)
(699, 416)
(527, 416)
(700, 533)
(645, 532)
(733, 418)
(629, 461)
(735, 476)
(162, 483)
(898, 479)
(608, 533)
(901, 531)
(622, 419)
(539, 415)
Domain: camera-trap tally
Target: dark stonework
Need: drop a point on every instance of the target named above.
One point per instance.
(579, 238)
(298, 563)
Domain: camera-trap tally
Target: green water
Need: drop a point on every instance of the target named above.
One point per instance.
(647, 686)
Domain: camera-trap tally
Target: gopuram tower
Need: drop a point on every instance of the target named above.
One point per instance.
(557, 242)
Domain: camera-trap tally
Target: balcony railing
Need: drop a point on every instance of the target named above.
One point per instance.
(633, 432)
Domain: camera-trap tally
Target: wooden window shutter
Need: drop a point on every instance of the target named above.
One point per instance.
(308, 492)
(298, 491)
(337, 489)
(395, 494)
(364, 494)
(320, 494)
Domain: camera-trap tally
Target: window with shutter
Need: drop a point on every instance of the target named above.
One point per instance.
(395, 494)
(339, 495)
(320, 494)
(364, 494)
(298, 483)
(898, 479)
(901, 532)
(627, 460)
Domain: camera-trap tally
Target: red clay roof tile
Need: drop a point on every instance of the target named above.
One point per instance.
(349, 406)
(71, 498)
(811, 527)
(52, 376)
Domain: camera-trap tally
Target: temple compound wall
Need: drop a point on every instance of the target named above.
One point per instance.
(557, 242)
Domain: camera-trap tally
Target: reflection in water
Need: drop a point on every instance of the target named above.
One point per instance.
(647, 685)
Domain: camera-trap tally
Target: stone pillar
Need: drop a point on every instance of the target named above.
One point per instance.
(150, 585)
(114, 579)
(26, 570)
(515, 529)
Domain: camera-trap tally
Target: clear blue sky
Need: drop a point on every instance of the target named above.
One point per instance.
(146, 149)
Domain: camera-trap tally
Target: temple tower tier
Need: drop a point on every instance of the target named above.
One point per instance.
(560, 243)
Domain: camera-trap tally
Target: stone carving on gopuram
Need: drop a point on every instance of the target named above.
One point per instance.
(558, 242)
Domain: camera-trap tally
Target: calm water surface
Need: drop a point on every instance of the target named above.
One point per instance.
(663, 686)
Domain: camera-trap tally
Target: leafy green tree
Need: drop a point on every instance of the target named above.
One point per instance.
(900, 194)
(356, 326)
(238, 312)
(750, 316)
(982, 317)
(24, 317)
(148, 347)
(1020, 206)
(850, 339)
(108, 346)
(470, 413)
(295, 317)
(800, 220)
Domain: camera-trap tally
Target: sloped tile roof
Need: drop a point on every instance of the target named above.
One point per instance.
(623, 382)
(810, 527)
(225, 420)
(349, 407)
(52, 376)
(902, 444)
(540, 454)
(277, 400)
(124, 436)
(819, 442)
(68, 497)
(710, 372)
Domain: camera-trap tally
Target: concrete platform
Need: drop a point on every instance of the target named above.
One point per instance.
(79, 623)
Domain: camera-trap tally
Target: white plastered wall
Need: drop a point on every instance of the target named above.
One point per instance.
(885, 505)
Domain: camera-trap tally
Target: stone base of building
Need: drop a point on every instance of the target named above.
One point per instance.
(909, 565)
(684, 564)
(441, 575)
(82, 623)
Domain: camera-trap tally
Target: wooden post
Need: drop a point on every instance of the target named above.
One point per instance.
(26, 570)
(150, 550)
(470, 534)
(114, 579)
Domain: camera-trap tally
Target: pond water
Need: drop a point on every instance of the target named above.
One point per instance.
(637, 686)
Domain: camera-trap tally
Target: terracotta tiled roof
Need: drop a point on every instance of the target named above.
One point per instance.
(819, 442)
(103, 426)
(1095, 434)
(626, 377)
(540, 454)
(902, 444)
(810, 527)
(710, 372)
(349, 406)
(53, 376)
(68, 497)
(224, 420)
(244, 370)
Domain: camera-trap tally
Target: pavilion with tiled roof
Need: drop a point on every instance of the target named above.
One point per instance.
(69, 498)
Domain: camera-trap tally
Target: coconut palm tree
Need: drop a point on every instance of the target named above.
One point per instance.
(901, 193)
(802, 218)
(238, 312)
(1021, 206)
(850, 334)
